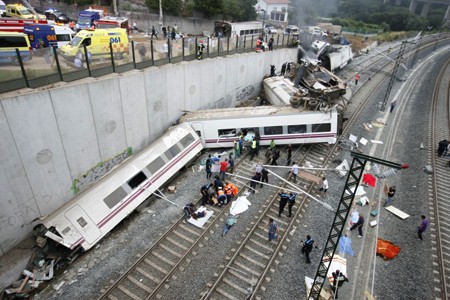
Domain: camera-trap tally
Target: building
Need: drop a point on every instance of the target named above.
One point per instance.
(276, 11)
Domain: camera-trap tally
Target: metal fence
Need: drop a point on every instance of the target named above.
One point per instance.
(50, 65)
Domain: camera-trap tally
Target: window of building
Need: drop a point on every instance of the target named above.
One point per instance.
(155, 165)
(227, 133)
(296, 129)
(325, 127)
(273, 130)
(82, 222)
(137, 180)
(115, 197)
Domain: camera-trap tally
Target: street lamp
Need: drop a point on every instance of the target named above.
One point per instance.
(264, 18)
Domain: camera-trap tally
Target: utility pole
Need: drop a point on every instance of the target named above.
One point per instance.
(348, 195)
(160, 15)
(393, 75)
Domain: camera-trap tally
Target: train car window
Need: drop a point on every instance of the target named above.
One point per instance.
(188, 139)
(82, 222)
(273, 130)
(172, 152)
(296, 129)
(137, 180)
(66, 230)
(115, 197)
(325, 127)
(227, 132)
(155, 165)
(175, 150)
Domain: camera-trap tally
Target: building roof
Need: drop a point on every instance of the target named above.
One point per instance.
(277, 1)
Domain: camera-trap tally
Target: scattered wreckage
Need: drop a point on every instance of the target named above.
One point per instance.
(313, 88)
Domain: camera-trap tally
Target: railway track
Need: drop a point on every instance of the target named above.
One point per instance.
(154, 269)
(243, 273)
(439, 189)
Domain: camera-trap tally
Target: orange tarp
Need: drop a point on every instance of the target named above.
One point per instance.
(387, 249)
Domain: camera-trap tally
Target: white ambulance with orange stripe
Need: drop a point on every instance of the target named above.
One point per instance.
(97, 42)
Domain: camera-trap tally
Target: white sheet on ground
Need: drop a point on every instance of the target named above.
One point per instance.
(201, 221)
(359, 192)
(240, 205)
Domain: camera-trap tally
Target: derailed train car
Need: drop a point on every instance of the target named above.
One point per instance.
(87, 218)
(284, 124)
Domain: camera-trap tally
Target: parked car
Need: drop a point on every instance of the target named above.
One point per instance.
(271, 30)
(56, 15)
(291, 30)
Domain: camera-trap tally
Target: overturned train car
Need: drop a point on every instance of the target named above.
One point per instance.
(87, 218)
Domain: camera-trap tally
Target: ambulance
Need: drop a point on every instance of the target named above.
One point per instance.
(48, 35)
(9, 42)
(21, 12)
(97, 43)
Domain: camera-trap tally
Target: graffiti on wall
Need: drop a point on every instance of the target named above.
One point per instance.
(97, 172)
(244, 93)
(20, 217)
(227, 101)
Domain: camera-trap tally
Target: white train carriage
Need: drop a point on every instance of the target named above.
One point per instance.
(285, 125)
(88, 217)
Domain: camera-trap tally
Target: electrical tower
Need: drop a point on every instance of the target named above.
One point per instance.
(398, 61)
(348, 194)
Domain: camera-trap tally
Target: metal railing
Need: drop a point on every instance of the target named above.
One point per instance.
(52, 65)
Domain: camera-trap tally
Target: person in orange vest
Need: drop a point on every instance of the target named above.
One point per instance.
(258, 45)
(356, 78)
(72, 25)
(221, 197)
(230, 190)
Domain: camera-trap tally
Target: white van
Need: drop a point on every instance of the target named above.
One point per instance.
(2, 8)
(63, 35)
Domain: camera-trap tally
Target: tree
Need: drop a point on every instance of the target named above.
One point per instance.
(172, 7)
(232, 10)
(248, 10)
(210, 8)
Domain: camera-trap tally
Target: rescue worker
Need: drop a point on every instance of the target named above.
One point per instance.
(338, 281)
(241, 143)
(221, 197)
(188, 210)
(258, 45)
(253, 148)
(264, 176)
(72, 25)
(200, 49)
(204, 191)
(291, 202)
(230, 191)
(283, 201)
(237, 150)
(275, 155)
(272, 71)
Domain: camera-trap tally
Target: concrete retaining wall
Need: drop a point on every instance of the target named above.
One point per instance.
(57, 142)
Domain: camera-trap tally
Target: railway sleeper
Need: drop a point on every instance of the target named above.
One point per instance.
(251, 260)
(254, 251)
(156, 267)
(147, 275)
(225, 294)
(231, 282)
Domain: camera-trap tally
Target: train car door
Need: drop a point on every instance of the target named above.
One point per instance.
(83, 224)
(198, 127)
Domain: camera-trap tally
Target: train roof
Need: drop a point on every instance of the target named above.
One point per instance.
(250, 112)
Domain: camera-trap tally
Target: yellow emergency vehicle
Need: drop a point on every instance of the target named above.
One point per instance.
(97, 43)
(21, 12)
